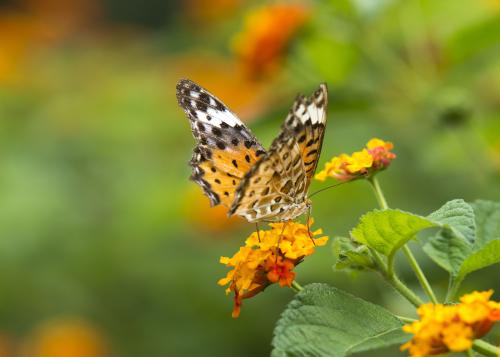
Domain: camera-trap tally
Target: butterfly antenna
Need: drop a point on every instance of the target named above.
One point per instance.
(327, 187)
(309, 227)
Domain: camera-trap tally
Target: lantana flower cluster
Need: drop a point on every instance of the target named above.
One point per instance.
(444, 328)
(376, 157)
(268, 257)
(268, 31)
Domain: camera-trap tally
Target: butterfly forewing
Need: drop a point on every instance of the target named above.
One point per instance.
(307, 121)
(226, 149)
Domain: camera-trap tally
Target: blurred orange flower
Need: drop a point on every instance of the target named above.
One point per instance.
(64, 338)
(268, 257)
(376, 157)
(210, 11)
(444, 328)
(199, 214)
(267, 32)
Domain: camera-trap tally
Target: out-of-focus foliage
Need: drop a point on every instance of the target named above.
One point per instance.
(98, 221)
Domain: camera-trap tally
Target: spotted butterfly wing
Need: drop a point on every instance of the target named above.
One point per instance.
(275, 189)
(307, 121)
(225, 150)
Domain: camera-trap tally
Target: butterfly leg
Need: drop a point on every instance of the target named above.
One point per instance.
(258, 231)
(281, 237)
(308, 227)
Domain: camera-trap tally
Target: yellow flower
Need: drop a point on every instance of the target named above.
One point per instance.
(444, 328)
(365, 163)
(268, 257)
(359, 161)
(267, 32)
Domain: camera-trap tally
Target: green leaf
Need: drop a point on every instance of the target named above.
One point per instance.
(487, 221)
(389, 338)
(458, 216)
(350, 255)
(388, 230)
(469, 239)
(487, 255)
(325, 321)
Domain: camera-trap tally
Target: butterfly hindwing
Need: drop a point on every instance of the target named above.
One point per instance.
(269, 189)
(281, 178)
(226, 149)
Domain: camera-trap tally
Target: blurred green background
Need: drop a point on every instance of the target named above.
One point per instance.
(107, 249)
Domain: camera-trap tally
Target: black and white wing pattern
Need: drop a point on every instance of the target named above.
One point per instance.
(226, 149)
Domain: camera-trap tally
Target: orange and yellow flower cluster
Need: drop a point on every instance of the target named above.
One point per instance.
(268, 31)
(376, 157)
(444, 328)
(268, 257)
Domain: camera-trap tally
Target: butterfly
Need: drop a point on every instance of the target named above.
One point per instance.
(233, 168)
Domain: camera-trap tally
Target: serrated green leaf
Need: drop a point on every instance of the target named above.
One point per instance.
(488, 255)
(386, 231)
(459, 249)
(325, 321)
(448, 250)
(458, 216)
(487, 221)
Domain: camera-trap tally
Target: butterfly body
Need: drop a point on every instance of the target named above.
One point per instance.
(233, 168)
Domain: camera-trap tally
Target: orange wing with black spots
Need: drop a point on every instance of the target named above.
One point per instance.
(226, 149)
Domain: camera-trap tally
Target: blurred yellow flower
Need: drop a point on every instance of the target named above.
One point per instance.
(361, 164)
(267, 32)
(444, 328)
(268, 257)
(66, 337)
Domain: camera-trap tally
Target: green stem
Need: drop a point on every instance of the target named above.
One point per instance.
(469, 353)
(379, 195)
(404, 290)
(407, 252)
(453, 289)
(419, 273)
(296, 286)
(485, 348)
(393, 280)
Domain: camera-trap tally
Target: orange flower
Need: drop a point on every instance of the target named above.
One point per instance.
(268, 260)
(66, 337)
(268, 31)
(444, 328)
(361, 164)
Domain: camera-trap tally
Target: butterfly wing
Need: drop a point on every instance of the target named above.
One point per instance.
(269, 189)
(225, 150)
(307, 120)
(274, 186)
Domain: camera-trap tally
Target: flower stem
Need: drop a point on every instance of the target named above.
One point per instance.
(379, 195)
(419, 273)
(485, 348)
(404, 290)
(453, 289)
(407, 252)
(392, 279)
(296, 286)
(469, 353)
